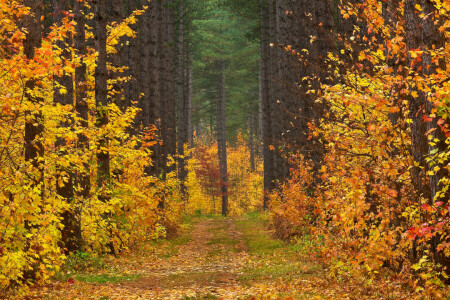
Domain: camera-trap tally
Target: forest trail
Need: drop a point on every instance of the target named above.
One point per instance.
(209, 264)
(213, 258)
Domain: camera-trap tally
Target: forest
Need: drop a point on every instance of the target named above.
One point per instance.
(224, 149)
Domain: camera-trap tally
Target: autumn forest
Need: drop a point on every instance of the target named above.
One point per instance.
(224, 149)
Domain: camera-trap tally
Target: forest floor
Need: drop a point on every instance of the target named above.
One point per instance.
(213, 258)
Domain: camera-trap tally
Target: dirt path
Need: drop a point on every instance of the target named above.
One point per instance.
(209, 264)
(217, 258)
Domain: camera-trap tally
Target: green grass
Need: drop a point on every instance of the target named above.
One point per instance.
(104, 278)
(222, 241)
(171, 246)
(272, 258)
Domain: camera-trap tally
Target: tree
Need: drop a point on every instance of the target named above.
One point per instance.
(64, 96)
(221, 138)
(34, 124)
(101, 98)
(82, 180)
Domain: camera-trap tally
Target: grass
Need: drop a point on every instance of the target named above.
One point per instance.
(223, 241)
(104, 278)
(89, 268)
(271, 258)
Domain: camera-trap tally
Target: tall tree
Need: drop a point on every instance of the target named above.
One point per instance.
(167, 88)
(133, 62)
(82, 178)
(419, 147)
(222, 137)
(63, 95)
(34, 123)
(101, 97)
(116, 14)
(266, 103)
(182, 107)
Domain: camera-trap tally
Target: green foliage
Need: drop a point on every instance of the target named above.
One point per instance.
(219, 32)
(83, 262)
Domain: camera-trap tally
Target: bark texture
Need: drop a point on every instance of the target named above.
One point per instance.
(222, 138)
(101, 97)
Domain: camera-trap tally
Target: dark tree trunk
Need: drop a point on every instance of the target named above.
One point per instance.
(82, 177)
(182, 130)
(250, 140)
(116, 13)
(170, 136)
(433, 39)
(65, 184)
(266, 104)
(133, 61)
(189, 96)
(419, 147)
(260, 111)
(34, 122)
(154, 73)
(222, 139)
(143, 77)
(101, 98)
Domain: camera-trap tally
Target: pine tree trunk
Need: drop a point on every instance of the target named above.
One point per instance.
(65, 184)
(116, 13)
(82, 177)
(266, 104)
(190, 94)
(154, 73)
(170, 136)
(101, 100)
(133, 60)
(433, 39)
(34, 121)
(143, 62)
(260, 111)
(181, 99)
(419, 147)
(222, 139)
(251, 143)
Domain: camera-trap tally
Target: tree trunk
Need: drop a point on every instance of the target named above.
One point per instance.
(143, 62)
(116, 13)
(181, 99)
(250, 140)
(170, 136)
(82, 177)
(190, 94)
(65, 184)
(266, 105)
(222, 139)
(419, 147)
(154, 73)
(260, 111)
(101, 99)
(133, 61)
(34, 122)
(432, 39)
